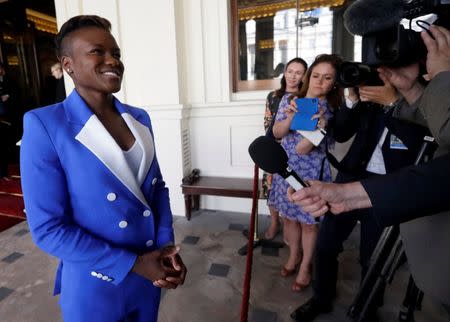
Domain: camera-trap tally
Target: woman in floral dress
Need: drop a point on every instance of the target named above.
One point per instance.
(308, 161)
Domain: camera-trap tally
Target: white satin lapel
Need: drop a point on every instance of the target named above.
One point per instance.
(144, 138)
(97, 139)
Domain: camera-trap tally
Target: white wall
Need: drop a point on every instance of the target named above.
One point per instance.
(177, 60)
(222, 124)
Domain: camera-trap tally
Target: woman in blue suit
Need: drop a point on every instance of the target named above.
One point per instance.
(93, 190)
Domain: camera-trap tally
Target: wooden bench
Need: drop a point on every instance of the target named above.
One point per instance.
(215, 186)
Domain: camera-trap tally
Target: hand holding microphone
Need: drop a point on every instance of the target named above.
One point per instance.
(271, 157)
(320, 198)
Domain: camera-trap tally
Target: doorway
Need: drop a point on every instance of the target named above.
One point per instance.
(27, 52)
(27, 31)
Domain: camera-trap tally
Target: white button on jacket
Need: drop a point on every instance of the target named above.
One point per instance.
(154, 181)
(149, 243)
(123, 224)
(111, 196)
(146, 213)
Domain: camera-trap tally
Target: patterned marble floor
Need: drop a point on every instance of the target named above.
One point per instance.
(213, 289)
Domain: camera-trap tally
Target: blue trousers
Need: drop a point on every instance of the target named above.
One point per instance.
(135, 299)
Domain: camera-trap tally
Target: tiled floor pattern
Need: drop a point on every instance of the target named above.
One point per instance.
(213, 288)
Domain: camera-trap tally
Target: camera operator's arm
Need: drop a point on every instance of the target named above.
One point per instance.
(410, 193)
(385, 95)
(438, 57)
(410, 113)
(406, 81)
(435, 101)
(345, 121)
(413, 192)
(321, 197)
(435, 106)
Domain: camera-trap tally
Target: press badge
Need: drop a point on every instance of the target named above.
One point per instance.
(397, 144)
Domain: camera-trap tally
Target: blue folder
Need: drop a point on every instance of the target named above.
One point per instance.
(306, 108)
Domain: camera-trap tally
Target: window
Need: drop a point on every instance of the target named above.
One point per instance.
(267, 34)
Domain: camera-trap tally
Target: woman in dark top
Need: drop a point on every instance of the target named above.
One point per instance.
(60, 89)
(291, 82)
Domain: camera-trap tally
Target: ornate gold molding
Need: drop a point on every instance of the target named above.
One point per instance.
(12, 60)
(268, 10)
(42, 21)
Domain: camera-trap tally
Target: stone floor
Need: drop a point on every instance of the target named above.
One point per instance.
(213, 288)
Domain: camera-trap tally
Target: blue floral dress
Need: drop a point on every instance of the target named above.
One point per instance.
(307, 166)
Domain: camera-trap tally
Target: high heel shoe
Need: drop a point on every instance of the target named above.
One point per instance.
(298, 287)
(285, 272)
(268, 236)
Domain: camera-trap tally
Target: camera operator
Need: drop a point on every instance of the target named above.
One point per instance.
(414, 192)
(381, 145)
(431, 108)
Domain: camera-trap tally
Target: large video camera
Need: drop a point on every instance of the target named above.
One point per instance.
(385, 38)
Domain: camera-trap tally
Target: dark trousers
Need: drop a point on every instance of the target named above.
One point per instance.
(334, 230)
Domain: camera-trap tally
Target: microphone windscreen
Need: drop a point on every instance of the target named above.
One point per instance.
(367, 16)
(268, 154)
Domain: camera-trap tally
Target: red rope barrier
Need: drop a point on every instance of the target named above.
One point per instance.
(251, 232)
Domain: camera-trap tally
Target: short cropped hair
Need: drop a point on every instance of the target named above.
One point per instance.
(76, 23)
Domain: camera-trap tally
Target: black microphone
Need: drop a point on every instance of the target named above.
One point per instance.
(364, 17)
(270, 156)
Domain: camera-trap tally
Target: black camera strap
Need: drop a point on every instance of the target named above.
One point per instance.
(339, 166)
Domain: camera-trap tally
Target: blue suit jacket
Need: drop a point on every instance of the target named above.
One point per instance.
(82, 201)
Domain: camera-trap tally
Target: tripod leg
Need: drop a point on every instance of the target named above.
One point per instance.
(419, 301)
(412, 301)
(374, 279)
(244, 249)
(370, 305)
(409, 290)
(381, 253)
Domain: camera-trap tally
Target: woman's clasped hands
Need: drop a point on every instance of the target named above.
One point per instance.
(164, 267)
